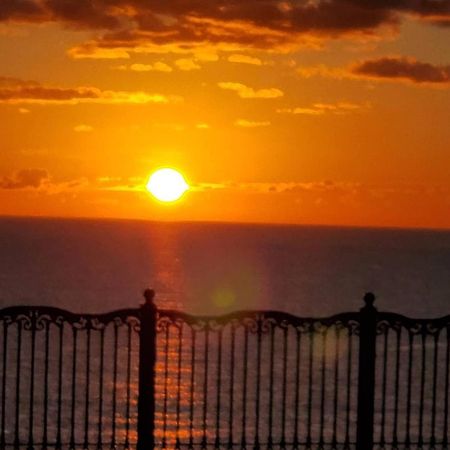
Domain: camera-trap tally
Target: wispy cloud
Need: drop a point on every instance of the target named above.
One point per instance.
(251, 123)
(139, 67)
(245, 59)
(25, 179)
(16, 91)
(83, 128)
(248, 92)
(324, 71)
(403, 69)
(203, 126)
(187, 64)
(319, 109)
(387, 68)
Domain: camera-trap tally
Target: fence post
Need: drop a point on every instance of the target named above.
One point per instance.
(366, 374)
(147, 360)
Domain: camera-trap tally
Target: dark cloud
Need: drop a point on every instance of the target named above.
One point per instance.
(23, 179)
(403, 69)
(16, 91)
(258, 23)
(22, 10)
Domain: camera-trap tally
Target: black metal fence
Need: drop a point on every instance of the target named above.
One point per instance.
(149, 378)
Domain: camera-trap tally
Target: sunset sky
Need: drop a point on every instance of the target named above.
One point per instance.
(331, 112)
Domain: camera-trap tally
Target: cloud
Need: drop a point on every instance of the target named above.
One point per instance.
(247, 92)
(251, 124)
(83, 128)
(134, 24)
(92, 50)
(319, 109)
(187, 64)
(203, 126)
(403, 69)
(155, 67)
(16, 91)
(299, 110)
(281, 187)
(245, 59)
(25, 179)
(324, 71)
(206, 56)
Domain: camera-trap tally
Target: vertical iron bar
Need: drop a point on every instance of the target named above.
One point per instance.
(87, 381)
(166, 381)
(45, 424)
(383, 389)
(191, 400)
(205, 388)
(32, 364)
(408, 401)
(18, 365)
(310, 386)
(397, 388)
(100, 394)
(349, 385)
(336, 385)
(366, 374)
(114, 399)
(433, 407)
(422, 389)
(219, 383)
(5, 349)
(244, 392)
(322, 390)
(258, 383)
(283, 401)
(180, 352)
(231, 400)
(74, 370)
(127, 413)
(447, 367)
(60, 370)
(297, 388)
(147, 360)
(270, 439)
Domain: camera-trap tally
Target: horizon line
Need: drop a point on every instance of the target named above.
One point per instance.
(225, 222)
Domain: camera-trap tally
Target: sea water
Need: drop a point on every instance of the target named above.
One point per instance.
(208, 268)
(96, 266)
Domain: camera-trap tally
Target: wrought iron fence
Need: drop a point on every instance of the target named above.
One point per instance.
(150, 378)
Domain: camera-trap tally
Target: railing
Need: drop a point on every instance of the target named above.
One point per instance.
(150, 378)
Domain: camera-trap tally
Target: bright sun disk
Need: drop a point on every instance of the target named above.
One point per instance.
(167, 185)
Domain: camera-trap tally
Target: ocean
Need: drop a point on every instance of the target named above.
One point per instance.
(210, 268)
(100, 265)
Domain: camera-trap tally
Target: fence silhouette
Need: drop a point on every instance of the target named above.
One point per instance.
(150, 378)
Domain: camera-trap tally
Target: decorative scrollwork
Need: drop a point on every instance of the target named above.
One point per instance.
(38, 318)
(430, 327)
(259, 321)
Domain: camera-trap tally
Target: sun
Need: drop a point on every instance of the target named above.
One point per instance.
(167, 185)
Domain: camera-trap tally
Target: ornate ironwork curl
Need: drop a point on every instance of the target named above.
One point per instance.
(259, 321)
(38, 318)
(395, 322)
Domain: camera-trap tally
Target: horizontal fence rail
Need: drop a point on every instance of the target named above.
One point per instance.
(151, 378)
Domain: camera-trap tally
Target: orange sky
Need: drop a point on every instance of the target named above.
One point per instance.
(326, 112)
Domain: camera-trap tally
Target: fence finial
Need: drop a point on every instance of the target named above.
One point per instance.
(149, 295)
(369, 299)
